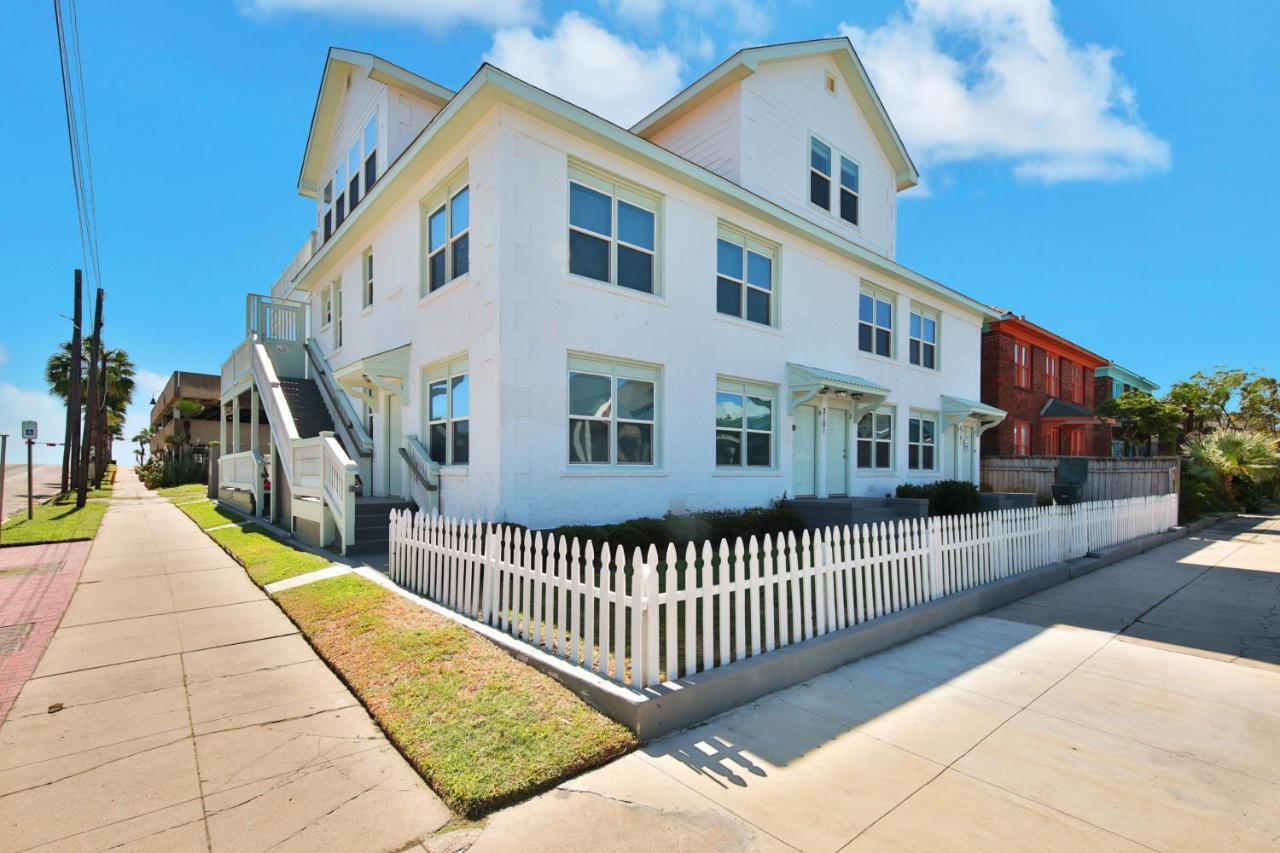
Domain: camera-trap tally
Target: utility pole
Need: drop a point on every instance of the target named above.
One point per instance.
(95, 346)
(71, 453)
(104, 429)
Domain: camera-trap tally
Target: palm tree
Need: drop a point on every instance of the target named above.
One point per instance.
(143, 437)
(120, 376)
(188, 409)
(1226, 455)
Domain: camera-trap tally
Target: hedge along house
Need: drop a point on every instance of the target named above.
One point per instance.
(514, 309)
(1047, 385)
(1112, 381)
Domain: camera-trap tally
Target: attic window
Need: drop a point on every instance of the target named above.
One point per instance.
(831, 84)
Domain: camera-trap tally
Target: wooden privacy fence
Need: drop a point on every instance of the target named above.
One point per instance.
(1109, 479)
(655, 616)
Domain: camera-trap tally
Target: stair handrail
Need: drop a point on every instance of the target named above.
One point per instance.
(340, 488)
(279, 416)
(338, 403)
(425, 470)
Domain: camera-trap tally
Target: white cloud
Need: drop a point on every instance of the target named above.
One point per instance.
(999, 79)
(586, 64)
(434, 14)
(32, 404)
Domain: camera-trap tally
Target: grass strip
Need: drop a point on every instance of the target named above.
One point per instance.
(187, 490)
(265, 557)
(56, 521)
(208, 514)
(482, 728)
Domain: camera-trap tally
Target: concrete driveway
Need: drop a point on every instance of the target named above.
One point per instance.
(1136, 707)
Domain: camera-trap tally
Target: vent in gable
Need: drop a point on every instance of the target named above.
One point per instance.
(831, 83)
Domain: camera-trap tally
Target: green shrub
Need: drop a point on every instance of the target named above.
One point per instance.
(946, 497)
(679, 530)
(1197, 498)
(173, 468)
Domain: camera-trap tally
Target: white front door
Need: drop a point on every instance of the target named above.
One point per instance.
(837, 451)
(963, 450)
(803, 453)
(391, 453)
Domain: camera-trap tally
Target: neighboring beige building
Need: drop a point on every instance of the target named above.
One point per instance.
(201, 430)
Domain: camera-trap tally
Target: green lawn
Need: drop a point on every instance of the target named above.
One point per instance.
(190, 490)
(208, 514)
(265, 557)
(54, 522)
(482, 728)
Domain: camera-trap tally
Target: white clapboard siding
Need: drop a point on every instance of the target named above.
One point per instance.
(654, 617)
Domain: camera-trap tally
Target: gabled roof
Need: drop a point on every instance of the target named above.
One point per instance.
(491, 85)
(745, 62)
(1028, 332)
(337, 65)
(1127, 376)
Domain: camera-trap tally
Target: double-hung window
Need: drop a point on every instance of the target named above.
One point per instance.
(1050, 441)
(1074, 374)
(922, 440)
(370, 153)
(744, 425)
(353, 174)
(448, 415)
(613, 232)
(337, 314)
(326, 307)
(1052, 381)
(819, 173)
(924, 337)
(875, 440)
(744, 277)
(613, 413)
(367, 290)
(1075, 441)
(1021, 365)
(848, 191)
(875, 322)
(447, 237)
(327, 209)
(340, 203)
(1021, 438)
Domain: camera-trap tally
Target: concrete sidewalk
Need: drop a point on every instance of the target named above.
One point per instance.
(1134, 708)
(176, 708)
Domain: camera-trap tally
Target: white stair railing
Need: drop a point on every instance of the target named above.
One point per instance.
(424, 479)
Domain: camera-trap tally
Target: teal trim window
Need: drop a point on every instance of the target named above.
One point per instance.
(447, 237)
(875, 440)
(923, 338)
(745, 277)
(744, 425)
(612, 413)
(448, 413)
(875, 322)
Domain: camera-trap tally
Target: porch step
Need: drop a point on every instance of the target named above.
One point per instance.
(372, 517)
(310, 417)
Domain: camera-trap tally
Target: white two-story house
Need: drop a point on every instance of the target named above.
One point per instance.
(516, 310)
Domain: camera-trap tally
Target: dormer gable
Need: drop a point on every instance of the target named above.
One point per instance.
(728, 74)
(350, 82)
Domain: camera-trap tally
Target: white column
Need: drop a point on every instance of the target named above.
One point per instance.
(253, 418)
(235, 424)
(820, 464)
(222, 427)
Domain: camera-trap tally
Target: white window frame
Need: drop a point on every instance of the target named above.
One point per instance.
(366, 277)
(620, 191)
(447, 372)
(1052, 375)
(891, 440)
(616, 371)
(1023, 350)
(813, 170)
(856, 191)
(326, 306)
(925, 313)
(750, 244)
(442, 200)
(369, 150)
(922, 416)
(337, 315)
(745, 389)
(878, 294)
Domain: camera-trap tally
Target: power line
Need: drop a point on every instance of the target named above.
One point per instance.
(77, 118)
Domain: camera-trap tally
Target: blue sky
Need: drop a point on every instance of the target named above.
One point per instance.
(1107, 169)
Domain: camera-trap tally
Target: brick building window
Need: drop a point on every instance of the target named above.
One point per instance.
(1021, 438)
(1050, 445)
(1021, 365)
(1075, 441)
(1073, 381)
(1052, 383)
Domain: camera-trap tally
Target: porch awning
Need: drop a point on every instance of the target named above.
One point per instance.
(956, 409)
(1061, 413)
(804, 383)
(387, 371)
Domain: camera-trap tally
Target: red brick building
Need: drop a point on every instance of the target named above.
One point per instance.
(1046, 384)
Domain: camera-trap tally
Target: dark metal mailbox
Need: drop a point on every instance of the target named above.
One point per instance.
(1073, 470)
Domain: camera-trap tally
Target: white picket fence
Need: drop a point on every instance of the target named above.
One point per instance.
(655, 616)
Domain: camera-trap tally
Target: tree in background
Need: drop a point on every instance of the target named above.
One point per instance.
(1240, 465)
(120, 373)
(1139, 417)
(143, 437)
(1206, 401)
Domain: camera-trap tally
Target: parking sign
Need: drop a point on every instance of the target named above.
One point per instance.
(29, 430)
